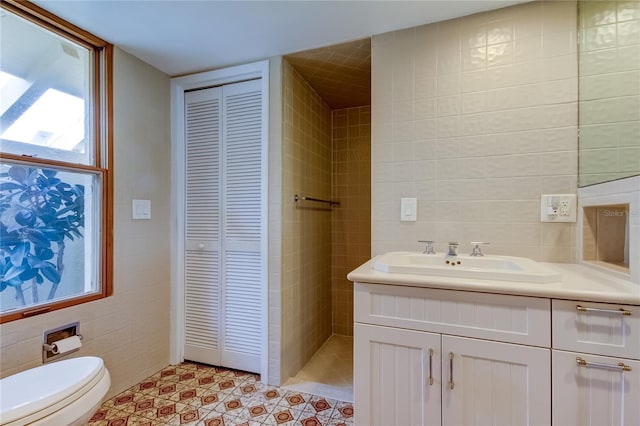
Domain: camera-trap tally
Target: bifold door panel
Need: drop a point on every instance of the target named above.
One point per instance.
(224, 190)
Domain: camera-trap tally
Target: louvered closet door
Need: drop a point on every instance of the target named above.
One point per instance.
(224, 193)
(242, 230)
(203, 256)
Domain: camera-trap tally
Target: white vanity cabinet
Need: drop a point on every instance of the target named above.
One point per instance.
(428, 356)
(440, 357)
(596, 363)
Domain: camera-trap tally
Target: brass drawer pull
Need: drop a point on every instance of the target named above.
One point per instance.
(620, 311)
(621, 366)
(451, 384)
(430, 367)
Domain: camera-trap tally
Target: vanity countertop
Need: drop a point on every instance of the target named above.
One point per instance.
(579, 282)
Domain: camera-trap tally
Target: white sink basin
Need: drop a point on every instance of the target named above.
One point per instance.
(489, 267)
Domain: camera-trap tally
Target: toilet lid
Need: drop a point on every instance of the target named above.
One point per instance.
(34, 390)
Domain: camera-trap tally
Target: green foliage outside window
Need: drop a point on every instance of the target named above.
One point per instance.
(39, 213)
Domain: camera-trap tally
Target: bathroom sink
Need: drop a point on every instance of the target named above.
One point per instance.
(489, 267)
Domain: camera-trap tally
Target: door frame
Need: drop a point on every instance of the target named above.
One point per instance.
(180, 85)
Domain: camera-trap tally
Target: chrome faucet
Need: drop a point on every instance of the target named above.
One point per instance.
(476, 251)
(429, 246)
(452, 254)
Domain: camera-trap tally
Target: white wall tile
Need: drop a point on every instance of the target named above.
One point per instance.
(448, 127)
(473, 168)
(425, 149)
(473, 35)
(528, 20)
(561, 67)
(426, 191)
(402, 111)
(381, 152)
(448, 105)
(447, 211)
(426, 129)
(527, 49)
(476, 211)
(403, 171)
(473, 102)
(403, 151)
(525, 211)
(474, 58)
(424, 170)
(448, 84)
(403, 131)
(473, 124)
(426, 86)
(425, 108)
(383, 172)
(449, 61)
(447, 168)
(561, 163)
(474, 81)
(500, 54)
(474, 146)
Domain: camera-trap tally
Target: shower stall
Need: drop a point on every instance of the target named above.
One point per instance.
(326, 214)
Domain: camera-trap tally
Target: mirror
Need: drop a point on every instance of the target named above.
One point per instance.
(609, 91)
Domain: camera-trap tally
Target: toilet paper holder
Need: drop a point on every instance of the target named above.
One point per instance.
(50, 337)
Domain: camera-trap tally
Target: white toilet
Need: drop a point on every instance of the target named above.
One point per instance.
(61, 393)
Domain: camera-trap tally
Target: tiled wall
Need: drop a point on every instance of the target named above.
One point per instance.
(351, 223)
(129, 330)
(609, 90)
(306, 226)
(476, 117)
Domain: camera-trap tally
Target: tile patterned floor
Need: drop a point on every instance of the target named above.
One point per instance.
(195, 394)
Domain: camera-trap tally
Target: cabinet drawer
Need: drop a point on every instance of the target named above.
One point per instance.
(596, 328)
(514, 319)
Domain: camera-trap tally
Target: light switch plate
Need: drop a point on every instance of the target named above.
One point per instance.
(141, 209)
(408, 209)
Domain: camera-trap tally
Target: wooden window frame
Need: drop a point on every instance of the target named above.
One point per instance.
(103, 146)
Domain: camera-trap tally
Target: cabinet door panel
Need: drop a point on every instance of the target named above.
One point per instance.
(391, 376)
(494, 383)
(595, 395)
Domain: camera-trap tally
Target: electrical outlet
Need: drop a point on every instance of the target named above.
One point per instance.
(558, 207)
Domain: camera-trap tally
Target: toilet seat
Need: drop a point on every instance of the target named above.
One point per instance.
(34, 394)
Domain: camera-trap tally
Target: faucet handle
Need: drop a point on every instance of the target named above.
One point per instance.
(429, 246)
(476, 250)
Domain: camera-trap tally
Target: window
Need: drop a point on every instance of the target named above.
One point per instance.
(55, 180)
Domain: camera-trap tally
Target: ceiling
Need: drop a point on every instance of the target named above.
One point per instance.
(181, 36)
(340, 74)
